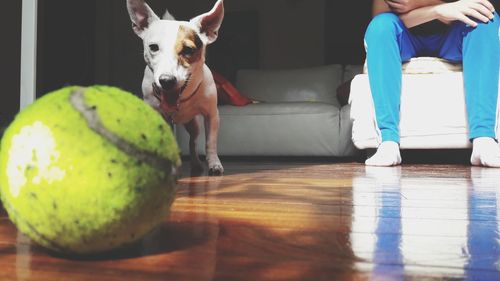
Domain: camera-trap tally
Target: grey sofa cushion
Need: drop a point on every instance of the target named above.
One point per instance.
(276, 129)
(277, 109)
(317, 84)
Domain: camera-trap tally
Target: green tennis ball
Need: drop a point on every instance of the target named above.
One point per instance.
(86, 170)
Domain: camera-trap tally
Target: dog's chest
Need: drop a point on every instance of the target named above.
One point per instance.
(185, 113)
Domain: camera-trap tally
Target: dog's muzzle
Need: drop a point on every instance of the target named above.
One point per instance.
(169, 100)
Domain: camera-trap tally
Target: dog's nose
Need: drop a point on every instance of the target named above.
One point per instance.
(168, 82)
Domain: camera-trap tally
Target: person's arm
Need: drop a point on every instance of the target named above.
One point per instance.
(463, 10)
(419, 16)
(400, 6)
(405, 6)
(379, 6)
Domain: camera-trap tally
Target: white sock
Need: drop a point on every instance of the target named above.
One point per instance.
(485, 152)
(387, 155)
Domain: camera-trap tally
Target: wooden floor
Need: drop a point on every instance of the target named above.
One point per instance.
(305, 220)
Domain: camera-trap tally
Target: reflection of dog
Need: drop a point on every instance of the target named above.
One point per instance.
(176, 81)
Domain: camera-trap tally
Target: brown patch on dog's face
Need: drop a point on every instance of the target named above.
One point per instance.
(188, 46)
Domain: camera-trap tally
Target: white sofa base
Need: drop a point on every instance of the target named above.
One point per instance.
(433, 112)
(279, 129)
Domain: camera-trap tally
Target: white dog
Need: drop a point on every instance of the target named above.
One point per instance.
(177, 81)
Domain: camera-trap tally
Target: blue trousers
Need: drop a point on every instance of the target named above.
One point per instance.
(389, 43)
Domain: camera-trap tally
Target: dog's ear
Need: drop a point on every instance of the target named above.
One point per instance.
(168, 16)
(209, 23)
(141, 15)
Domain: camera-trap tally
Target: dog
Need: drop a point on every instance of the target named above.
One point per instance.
(177, 82)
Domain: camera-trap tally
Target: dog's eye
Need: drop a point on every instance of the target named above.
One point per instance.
(188, 51)
(154, 48)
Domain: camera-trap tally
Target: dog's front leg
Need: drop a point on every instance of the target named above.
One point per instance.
(211, 132)
(193, 128)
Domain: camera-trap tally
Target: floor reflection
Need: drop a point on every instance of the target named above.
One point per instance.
(444, 225)
(483, 247)
(387, 257)
(23, 258)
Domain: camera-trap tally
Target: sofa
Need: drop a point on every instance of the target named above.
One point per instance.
(296, 113)
(433, 113)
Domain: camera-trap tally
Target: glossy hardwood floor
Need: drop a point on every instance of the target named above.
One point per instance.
(302, 220)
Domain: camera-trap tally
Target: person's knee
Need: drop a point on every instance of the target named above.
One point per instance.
(492, 25)
(490, 29)
(381, 26)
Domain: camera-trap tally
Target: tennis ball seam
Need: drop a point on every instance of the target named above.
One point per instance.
(77, 100)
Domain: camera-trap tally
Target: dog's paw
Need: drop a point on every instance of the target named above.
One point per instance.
(215, 170)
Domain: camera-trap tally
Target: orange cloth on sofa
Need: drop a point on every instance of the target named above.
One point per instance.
(227, 92)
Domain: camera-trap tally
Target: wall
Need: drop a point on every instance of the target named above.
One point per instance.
(10, 56)
(345, 25)
(291, 35)
(66, 48)
(89, 42)
(291, 31)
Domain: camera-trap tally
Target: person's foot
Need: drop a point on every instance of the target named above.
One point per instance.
(387, 155)
(485, 152)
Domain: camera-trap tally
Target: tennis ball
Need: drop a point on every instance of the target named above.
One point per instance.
(86, 170)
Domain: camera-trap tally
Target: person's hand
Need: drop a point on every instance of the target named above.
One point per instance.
(466, 11)
(402, 6)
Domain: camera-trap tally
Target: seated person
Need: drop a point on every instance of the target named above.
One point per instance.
(464, 31)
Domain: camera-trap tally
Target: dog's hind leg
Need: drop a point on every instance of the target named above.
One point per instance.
(211, 132)
(193, 128)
